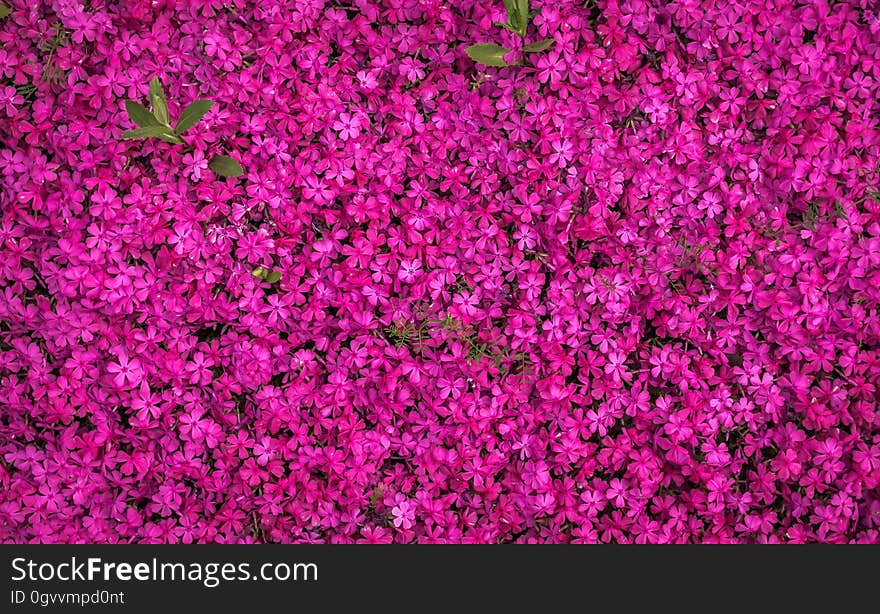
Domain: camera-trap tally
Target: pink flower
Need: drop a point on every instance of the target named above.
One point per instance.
(409, 271)
(127, 373)
(403, 513)
(348, 125)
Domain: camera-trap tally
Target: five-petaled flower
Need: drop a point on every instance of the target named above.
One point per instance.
(126, 372)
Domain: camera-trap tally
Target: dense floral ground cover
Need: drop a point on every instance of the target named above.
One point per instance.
(629, 293)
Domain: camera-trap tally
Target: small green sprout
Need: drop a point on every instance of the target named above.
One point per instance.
(814, 216)
(52, 73)
(267, 275)
(400, 333)
(156, 123)
(518, 18)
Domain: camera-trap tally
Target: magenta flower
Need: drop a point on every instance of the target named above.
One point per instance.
(403, 513)
(127, 373)
(409, 270)
(348, 125)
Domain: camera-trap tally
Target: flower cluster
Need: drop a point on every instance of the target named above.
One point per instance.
(628, 293)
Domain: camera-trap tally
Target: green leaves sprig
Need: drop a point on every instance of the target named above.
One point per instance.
(5, 11)
(518, 18)
(156, 123)
(60, 38)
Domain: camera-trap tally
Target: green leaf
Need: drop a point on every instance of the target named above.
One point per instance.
(489, 54)
(4, 11)
(171, 138)
(522, 8)
(226, 166)
(148, 132)
(192, 114)
(158, 101)
(512, 17)
(507, 27)
(139, 114)
(539, 46)
(267, 275)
